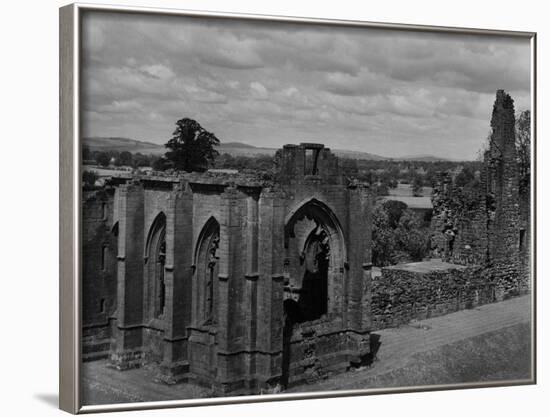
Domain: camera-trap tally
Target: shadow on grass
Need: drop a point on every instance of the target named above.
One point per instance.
(375, 344)
(369, 358)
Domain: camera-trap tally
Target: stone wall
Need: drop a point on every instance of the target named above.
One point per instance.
(426, 289)
(99, 250)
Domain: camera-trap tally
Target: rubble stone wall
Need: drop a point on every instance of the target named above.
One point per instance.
(401, 295)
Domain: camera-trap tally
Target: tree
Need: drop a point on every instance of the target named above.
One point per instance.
(397, 235)
(192, 147)
(349, 167)
(523, 145)
(86, 153)
(103, 159)
(89, 178)
(383, 239)
(417, 186)
(382, 189)
(161, 164)
(125, 159)
(394, 210)
(410, 236)
(140, 160)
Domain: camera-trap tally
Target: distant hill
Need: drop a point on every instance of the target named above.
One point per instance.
(236, 145)
(342, 153)
(244, 149)
(123, 144)
(231, 148)
(421, 158)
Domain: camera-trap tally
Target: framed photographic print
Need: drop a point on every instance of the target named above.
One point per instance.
(260, 208)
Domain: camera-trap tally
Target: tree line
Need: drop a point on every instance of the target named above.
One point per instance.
(116, 158)
(193, 148)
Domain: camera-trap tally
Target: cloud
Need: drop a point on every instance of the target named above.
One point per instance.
(258, 91)
(158, 71)
(120, 107)
(239, 59)
(382, 91)
(360, 84)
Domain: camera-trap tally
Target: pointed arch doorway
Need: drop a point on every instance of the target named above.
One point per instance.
(314, 271)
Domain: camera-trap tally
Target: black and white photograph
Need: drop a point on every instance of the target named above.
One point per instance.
(271, 206)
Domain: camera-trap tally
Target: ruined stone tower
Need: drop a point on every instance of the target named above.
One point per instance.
(489, 221)
(503, 197)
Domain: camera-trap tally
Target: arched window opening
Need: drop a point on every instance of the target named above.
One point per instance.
(160, 287)
(114, 232)
(155, 266)
(104, 256)
(522, 239)
(104, 211)
(206, 272)
(314, 261)
(313, 298)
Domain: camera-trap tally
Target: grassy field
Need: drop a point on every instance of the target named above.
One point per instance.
(501, 355)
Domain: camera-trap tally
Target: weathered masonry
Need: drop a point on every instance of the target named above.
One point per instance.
(232, 282)
(491, 225)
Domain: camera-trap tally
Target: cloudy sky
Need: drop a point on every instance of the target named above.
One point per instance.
(392, 93)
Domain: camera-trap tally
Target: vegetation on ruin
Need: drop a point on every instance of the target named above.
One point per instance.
(523, 147)
(397, 235)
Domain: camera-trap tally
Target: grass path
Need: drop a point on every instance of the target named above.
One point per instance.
(488, 343)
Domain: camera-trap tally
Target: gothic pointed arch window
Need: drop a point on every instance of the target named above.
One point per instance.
(315, 258)
(155, 259)
(314, 272)
(206, 272)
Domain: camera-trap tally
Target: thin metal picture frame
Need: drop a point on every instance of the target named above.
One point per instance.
(70, 19)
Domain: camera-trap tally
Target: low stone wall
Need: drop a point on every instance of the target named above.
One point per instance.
(426, 289)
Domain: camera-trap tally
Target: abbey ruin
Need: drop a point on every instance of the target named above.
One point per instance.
(248, 285)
